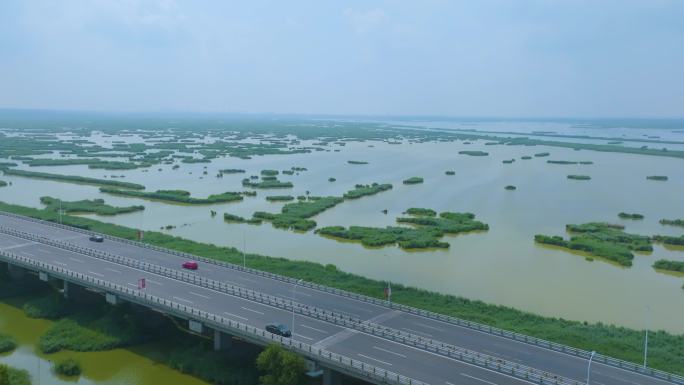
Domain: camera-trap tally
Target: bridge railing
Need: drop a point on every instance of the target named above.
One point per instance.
(607, 360)
(420, 342)
(326, 358)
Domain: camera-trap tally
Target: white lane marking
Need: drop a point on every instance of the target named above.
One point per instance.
(428, 326)
(98, 274)
(59, 263)
(113, 270)
(235, 315)
(154, 282)
(182, 299)
(200, 295)
(77, 260)
(318, 330)
(247, 279)
(388, 351)
(305, 337)
(252, 310)
(374, 359)
(479, 379)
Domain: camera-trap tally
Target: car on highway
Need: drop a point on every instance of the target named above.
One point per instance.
(279, 329)
(190, 265)
(96, 238)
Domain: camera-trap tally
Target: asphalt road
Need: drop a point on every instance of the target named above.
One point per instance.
(405, 360)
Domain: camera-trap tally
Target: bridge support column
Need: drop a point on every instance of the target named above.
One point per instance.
(112, 299)
(222, 341)
(195, 326)
(16, 272)
(65, 289)
(331, 377)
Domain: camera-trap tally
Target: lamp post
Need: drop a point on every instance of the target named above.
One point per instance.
(244, 242)
(646, 310)
(294, 292)
(589, 367)
(388, 289)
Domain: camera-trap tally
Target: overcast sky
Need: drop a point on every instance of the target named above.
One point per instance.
(574, 58)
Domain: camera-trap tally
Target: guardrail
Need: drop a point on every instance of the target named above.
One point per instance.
(430, 345)
(336, 361)
(600, 358)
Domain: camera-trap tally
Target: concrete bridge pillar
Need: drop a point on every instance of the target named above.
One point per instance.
(65, 289)
(16, 272)
(222, 341)
(331, 377)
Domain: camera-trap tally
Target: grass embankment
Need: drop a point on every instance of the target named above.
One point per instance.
(413, 180)
(96, 206)
(672, 222)
(425, 233)
(624, 343)
(674, 266)
(176, 196)
(13, 376)
(603, 240)
(579, 177)
(635, 216)
(74, 179)
(473, 153)
(660, 178)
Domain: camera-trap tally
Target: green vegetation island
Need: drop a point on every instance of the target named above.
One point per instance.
(672, 222)
(331, 179)
(542, 154)
(266, 183)
(68, 367)
(74, 179)
(473, 153)
(510, 187)
(295, 216)
(95, 206)
(508, 161)
(579, 177)
(673, 266)
(362, 190)
(425, 232)
(280, 198)
(526, 157)
(3, 183)
(660, 178)
(630, 216)
(238, 219)
(91, 163)
(232, 171)
(450, 172)
(413, 180)
(176, 196)
(269, 172)
(357, 162)
(12, 376)
(585, 162)
(669, 240)
(603, 240)
(615, 341)
(7, 343)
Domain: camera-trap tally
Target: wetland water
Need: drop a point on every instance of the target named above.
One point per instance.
(135, 366)
(501, 266)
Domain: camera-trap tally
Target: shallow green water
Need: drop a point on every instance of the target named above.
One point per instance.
(136, 366)
(501, 266)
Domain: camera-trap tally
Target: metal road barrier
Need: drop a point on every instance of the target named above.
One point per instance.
(335, 361)
(420, 342)
(600, 358)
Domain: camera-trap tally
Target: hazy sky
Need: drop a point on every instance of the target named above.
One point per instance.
(464, 58)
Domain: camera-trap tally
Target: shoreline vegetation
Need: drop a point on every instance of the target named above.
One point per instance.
(599, 239)
(425, 232)
(176, 196)
(73, 179)
(615, 341)
(95, 206)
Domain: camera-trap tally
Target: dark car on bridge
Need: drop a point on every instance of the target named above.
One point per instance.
(279, 329)
(190, 265)
(96, 238)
